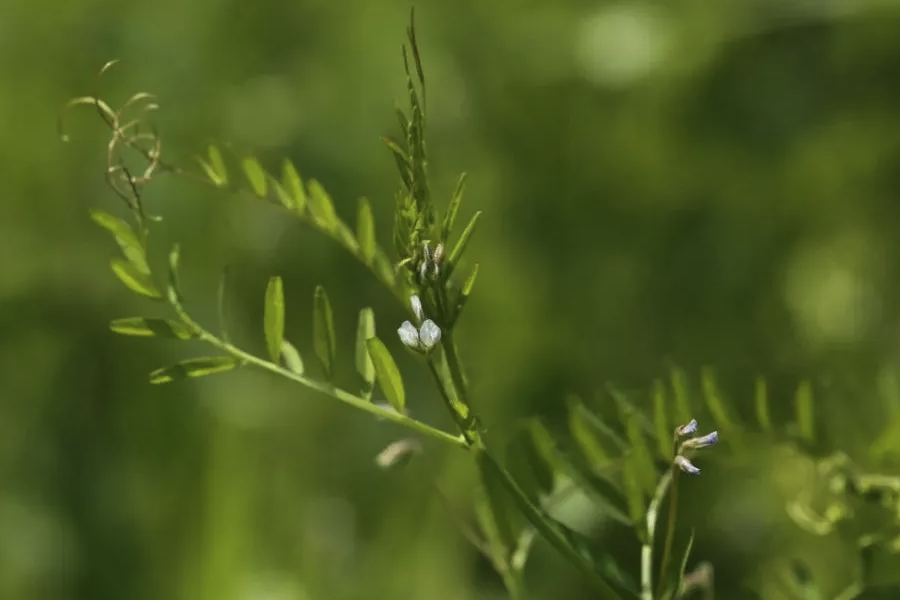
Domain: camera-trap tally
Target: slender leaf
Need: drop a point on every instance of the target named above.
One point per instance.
(584, 436)
(663, 427)
(273, 318)
(365, 330)
(294, 186)
(715, 403)
(283, 196)
(210, 172)
(453, 208)
(635, 497)
(125, 237)
(527, 465)
(324, 341)
(136, 280)
(387, 374)
(613, 443)
(291, 358)
(256, 176)
(194, 367)
(463, 241)
(683, 411)
(218, 165)
(365, 230)
(150, 326)
(673, 580)
(466, 290)
(761, 404)
(173, 291)
(321, 206)
(803, 402)
(497, 511)
(641, 457)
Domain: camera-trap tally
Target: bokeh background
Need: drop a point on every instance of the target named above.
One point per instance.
(664, 183)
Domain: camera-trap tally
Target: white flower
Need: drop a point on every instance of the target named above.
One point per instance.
(424, 338)
(416, 304)
(408, 334)
(429, 334)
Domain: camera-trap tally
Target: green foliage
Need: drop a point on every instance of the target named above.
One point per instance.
(628, 467)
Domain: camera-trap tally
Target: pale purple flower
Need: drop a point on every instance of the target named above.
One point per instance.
(685, 465)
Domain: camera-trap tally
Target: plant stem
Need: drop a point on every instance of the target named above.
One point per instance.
(670, 529)
(647, 548)
(324, 388)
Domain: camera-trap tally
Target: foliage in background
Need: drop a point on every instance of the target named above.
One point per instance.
(625, 464)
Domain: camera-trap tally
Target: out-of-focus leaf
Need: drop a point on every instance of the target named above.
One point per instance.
(387, 374)
(194, 367)
(291, 358)
(133, 278)
(150, 326)
(365, 330)
(453, 208)
(125, 237)
(641, 456)
(294, 186)
(365, 230)
(256, 176)
(273, 318)
(683, 411)
(497, 513)
(661, 424)
(761, 404)
(324, 340)
(527, 466)
(398, 454)
(635, 498)
(803, 403)
(218, 165)
(717, 408)
(672, 581)
(173, 291)
(321, 206)
(610, 441)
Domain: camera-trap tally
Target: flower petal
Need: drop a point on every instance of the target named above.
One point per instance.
(429, 334)
(408, 334)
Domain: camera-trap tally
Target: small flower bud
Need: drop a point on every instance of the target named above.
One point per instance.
(438, 257)
(408, 334)
(416, 304)
(703, 441)
(685, 465)
(423, 270)
(687, 428)
(426, 252)
(429, 334)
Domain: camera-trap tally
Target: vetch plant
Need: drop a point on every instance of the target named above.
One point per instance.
(630, 469)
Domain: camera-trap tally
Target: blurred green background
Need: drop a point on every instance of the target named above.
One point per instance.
(682, 182)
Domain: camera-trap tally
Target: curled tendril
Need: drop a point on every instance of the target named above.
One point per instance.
(137, 134)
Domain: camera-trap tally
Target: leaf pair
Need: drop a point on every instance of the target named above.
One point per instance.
(132, 269)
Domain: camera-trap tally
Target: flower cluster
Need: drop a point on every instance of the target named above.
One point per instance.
(682, 435)
(423, 338)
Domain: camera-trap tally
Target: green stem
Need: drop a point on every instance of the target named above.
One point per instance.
(647, 548)
(324, 388)
(670, 529)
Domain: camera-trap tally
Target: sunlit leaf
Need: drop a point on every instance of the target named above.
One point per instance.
(273, 319)
(463, 241)
(365, 330)
(256, 176)
(387, 374)
(194, 367)
(324, 339)
(365, 230)
(135, 279)
(294, 185)
(218, 165)
(761, 404)
(149, 326)
(291, 358)
(321, 206)
(173, 291)
(453, 208)
(803, 403)
(126, 239)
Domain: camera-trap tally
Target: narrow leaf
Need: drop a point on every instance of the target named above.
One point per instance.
(291, 358)
(125, 237)
(761, 404)
(645, 468)
(320, 206)
(135, 279)
(255, 175)
(634, 497)
(323, 331)
(463, 241)
(387, 374)
(584, 436)
(453, 208)
(149, 326)
(804, 407)
(497, 513)
(210, 172)
(664, 429)
(294, 185)
(172, 290)
(714, 402)
(365, 330)
(683, 411)
(672, 581)
(218, 165)
(527, 466)
(466, 291)
(194, 367)
(365, 230)
(273, 318)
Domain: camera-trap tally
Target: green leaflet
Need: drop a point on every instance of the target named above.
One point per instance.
(365, 330)
(365, 231)
(256, 176)
(124, 235)
(463, 241)
(324, 342)
(150, 326)
(321, 206)
(133, 278)
(273, 318)
(387, 374)
(291, 358)
(293, 185)
(194, 367)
